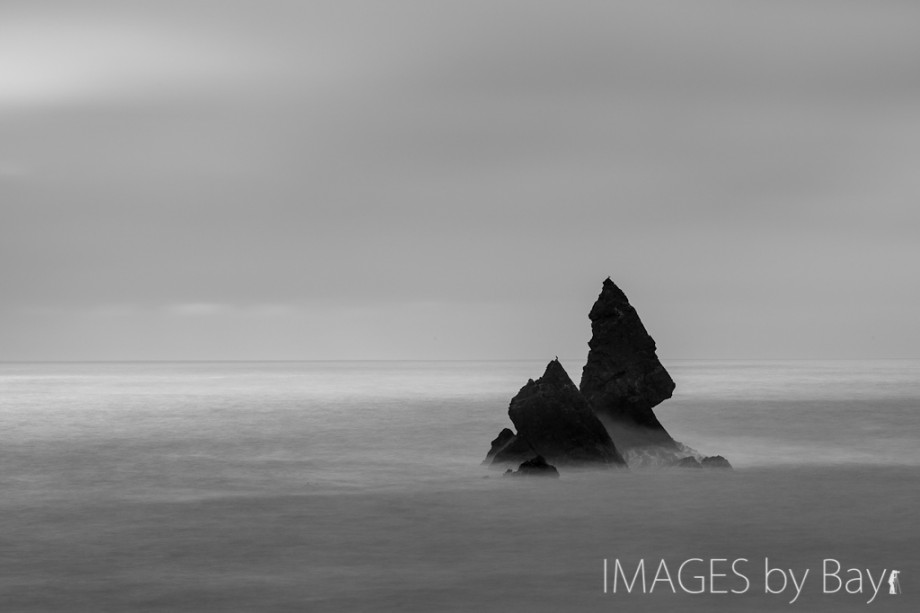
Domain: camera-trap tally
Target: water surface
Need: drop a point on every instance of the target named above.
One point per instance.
(357, 487)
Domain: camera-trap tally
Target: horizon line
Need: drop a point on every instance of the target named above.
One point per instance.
(326, 360)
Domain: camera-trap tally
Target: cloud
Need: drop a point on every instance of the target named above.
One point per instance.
(11, 170)
(207, 309)
(47, 61)
(198, 309)
(720, 159)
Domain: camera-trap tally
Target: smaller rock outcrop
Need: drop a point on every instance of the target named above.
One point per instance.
(504, 437)
(508, 448)
(536, 467)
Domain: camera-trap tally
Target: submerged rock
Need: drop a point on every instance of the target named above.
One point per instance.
(537, 467)
(554, 420)
(688, 462)
(715, 461)
(700, 462)
(623, 378)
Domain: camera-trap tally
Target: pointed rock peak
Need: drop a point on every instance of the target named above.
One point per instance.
(610, 295)
(555, 373)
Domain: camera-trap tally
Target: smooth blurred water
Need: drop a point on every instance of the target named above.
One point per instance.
(323, 486)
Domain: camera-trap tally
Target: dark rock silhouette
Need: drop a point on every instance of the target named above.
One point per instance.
(555, 421)
(536, 467)
(623, 378)
(715, 461)
(610, 417)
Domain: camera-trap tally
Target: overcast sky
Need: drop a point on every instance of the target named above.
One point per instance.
(344, 180)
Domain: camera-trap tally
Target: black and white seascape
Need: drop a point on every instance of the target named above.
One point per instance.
(459, 306)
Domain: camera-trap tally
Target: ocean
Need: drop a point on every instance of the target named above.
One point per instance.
(357, 486)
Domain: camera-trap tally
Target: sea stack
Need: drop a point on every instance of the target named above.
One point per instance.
(610, 418)
(554, 421)
(623, 378)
